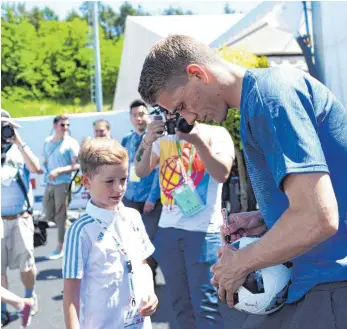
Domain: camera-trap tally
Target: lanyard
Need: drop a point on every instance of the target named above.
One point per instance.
(190, 163)
(128, 263)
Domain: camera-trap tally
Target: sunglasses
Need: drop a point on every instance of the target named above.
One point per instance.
(64, 125)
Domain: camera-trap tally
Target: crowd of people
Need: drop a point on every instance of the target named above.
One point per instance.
(156, 199)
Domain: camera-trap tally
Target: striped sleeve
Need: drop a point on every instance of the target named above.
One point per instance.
(76, 248)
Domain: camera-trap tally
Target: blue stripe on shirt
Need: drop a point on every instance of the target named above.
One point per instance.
(71, 249)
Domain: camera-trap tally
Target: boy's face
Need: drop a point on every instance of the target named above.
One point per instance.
(108, 186)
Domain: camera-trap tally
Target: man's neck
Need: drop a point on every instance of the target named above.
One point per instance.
(57, 137)
(139, 133)
(233, 85)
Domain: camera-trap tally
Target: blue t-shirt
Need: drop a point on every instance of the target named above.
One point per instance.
(59, 154)
(291, 123)
(147, 188)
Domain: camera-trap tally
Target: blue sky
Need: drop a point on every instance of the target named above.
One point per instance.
(61, 8)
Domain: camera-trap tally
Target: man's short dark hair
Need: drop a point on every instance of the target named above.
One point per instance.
(137, 103)
(102, 121)
(60, 118)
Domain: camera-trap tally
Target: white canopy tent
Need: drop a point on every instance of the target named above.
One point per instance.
(268, 30)
(142, 32)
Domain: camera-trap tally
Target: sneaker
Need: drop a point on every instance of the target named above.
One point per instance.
(35, 306)
(26, 312)
(5, 318)
(55, 255)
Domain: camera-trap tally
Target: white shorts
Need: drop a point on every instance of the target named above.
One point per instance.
(17, 245)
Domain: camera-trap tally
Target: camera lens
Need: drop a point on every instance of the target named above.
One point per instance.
(7, 131)
(170, 126)
(183, 125)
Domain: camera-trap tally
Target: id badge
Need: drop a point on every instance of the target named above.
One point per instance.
(132, 175)
(188, 199)
(133, 319)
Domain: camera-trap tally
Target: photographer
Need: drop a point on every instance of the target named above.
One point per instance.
(192, 168)
(17, 246)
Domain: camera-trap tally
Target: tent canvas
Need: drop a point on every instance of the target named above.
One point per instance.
(142, 32)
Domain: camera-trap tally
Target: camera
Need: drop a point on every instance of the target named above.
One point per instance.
(172, 123)
(7, 132)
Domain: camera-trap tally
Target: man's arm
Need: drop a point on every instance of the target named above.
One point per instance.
(31, 160)
(311, 218)
(63, 170)
(217, 164)
(70, 168)
(145, 159)
(71, 303)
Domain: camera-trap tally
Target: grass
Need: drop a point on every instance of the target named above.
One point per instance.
(46, 107)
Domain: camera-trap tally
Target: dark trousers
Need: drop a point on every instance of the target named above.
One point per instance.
(150, 220)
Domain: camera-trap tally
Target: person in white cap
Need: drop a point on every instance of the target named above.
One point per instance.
(17, 245)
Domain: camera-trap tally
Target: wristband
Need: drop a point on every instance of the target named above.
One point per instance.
(22, 145)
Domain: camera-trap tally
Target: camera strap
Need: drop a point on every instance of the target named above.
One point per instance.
(186, 174)
(24, 191)
(4, 152)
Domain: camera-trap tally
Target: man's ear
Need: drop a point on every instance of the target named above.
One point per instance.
(194, 70)
(85, 180)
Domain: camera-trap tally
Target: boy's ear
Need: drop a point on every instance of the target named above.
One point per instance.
(85, 181)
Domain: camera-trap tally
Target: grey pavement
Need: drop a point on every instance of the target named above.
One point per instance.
(49, 289)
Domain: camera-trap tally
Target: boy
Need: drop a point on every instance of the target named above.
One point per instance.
(107, 283)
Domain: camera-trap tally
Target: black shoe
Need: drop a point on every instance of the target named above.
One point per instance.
(5, 318)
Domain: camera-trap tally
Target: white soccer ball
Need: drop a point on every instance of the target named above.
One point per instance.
(264, 291)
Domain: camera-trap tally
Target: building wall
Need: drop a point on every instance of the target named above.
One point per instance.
(330, 35)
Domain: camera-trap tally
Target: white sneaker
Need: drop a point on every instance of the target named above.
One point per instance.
(55, 255)
(35, 307)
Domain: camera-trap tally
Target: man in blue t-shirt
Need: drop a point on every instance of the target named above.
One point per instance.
(142, 194)
(294, 137)
(60, 152)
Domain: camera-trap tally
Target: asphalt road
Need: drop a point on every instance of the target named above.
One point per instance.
(49, 289)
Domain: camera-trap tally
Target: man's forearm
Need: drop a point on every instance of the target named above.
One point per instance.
(30, 158)
(292, 235)
(68, 169)
(143, 159)
(215, 166)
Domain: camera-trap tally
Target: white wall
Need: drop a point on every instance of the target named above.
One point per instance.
(34, 130)
(333, 48)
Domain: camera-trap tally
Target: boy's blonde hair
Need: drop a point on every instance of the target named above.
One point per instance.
(97, 152)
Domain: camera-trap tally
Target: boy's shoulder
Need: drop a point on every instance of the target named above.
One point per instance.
(84, 222)
(131, 214)
(134, 218)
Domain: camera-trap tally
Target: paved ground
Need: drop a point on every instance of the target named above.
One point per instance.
(50, 291)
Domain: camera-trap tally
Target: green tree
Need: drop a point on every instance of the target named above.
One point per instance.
(73, 14)
(176, 11)
(125, 10)
(228, 9)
